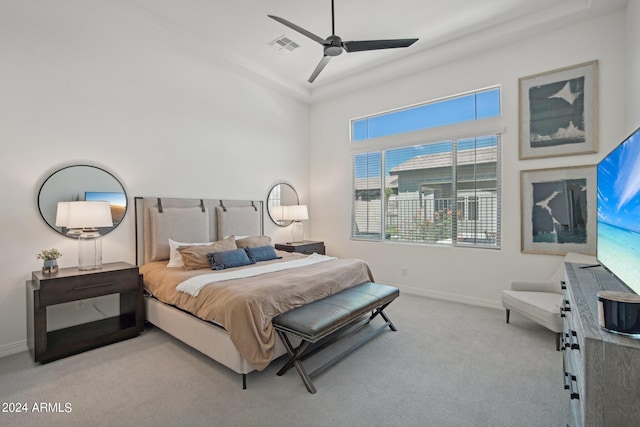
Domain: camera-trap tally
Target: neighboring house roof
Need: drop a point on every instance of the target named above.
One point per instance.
(438, 160)
(374, 183)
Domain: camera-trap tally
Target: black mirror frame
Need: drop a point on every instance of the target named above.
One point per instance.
(103, 231)
(269, 204)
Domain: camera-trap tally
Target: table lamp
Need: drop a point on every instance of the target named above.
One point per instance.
(86, 217)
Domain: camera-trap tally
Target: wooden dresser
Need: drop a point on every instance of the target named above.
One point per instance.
(601, 369)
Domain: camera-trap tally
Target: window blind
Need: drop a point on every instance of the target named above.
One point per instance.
(440, 193)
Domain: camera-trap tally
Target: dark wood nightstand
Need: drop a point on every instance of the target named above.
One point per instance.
(71, 284)
(305, 247)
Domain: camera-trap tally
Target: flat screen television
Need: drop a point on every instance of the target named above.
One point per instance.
(618, 225)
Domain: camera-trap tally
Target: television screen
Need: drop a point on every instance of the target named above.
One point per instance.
(618, 241)
(117, 202)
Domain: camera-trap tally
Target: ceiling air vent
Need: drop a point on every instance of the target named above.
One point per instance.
(284, 44)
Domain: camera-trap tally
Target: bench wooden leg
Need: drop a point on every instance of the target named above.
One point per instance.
(306, 379)
(294, 360)
(305, 349)
(380, 311)
(294, 354)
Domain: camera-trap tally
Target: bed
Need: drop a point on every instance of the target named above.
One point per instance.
(226, 314)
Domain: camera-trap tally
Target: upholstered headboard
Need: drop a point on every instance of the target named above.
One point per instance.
(159, 219)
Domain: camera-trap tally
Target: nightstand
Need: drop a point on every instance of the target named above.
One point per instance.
(72, 284)
(305, 247)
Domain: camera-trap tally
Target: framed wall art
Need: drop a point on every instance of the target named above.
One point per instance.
(559, 112)
(558, 208)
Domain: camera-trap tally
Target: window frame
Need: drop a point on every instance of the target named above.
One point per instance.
(423, 104)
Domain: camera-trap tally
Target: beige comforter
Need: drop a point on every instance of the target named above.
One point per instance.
(245, 307)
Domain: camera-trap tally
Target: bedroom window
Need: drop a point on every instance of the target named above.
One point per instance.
(445, 192)
(441, 193)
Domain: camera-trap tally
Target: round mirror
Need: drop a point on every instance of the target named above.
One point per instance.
(281, 195)
(78, 183)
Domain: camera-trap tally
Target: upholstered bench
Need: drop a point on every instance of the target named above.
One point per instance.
(323, 322)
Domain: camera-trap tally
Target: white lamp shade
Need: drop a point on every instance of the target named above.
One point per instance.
(277, 213)
(62, 214)
(88, 215)
(296, 212)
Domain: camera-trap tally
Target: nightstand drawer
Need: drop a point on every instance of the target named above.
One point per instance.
(318, 249)
(306, 247)
(88, 286)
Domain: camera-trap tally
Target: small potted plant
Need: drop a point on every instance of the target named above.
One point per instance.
(50, 259)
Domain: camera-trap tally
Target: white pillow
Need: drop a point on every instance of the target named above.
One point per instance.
(175, 258)
(236, 237)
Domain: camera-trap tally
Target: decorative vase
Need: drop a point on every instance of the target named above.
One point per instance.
(50, 266)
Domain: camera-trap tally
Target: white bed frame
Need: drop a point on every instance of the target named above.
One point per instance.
(240, 218)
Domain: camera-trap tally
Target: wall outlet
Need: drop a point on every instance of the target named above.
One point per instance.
(405, 271)
(82, 303)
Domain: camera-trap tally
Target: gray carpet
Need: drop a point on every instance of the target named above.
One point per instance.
(448, 365)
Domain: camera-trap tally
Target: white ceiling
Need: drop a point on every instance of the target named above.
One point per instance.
(239, 32)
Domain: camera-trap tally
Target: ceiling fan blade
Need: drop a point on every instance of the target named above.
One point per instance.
(323, 63)
(359, 46)
(298, 29)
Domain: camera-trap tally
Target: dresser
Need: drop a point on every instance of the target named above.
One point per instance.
(601, 369)
(72, 284)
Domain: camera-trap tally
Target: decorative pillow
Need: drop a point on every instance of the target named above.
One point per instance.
(229, 259)
(262, 253)
(253, 242)
(195, 257)
(175, 258)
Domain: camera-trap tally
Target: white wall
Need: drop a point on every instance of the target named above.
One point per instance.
(471, 275)
(84, 82)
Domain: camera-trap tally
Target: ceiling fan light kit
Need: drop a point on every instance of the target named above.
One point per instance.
(333, 45)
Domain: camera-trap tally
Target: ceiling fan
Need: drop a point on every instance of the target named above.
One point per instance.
(333, 45)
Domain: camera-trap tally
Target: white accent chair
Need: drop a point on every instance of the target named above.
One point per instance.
(540, 301)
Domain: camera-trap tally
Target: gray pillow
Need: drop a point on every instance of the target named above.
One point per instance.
(196, 257)
(253, 241)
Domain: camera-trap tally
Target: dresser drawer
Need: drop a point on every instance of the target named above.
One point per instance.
(88, 286)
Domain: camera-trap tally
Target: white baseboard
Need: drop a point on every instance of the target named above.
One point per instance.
(13, 348)
(452, 297)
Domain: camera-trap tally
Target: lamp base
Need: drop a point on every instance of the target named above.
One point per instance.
(297, 232)
(89, 250)
(90, 267)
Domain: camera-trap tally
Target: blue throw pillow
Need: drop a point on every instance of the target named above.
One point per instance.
(262, 253)
(229, 259)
